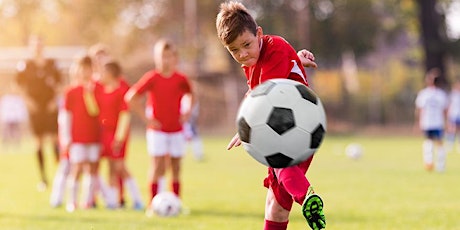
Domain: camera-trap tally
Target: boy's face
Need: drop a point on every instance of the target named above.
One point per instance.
(84, 73)
(106, 76)
(246, 47)
(167, 60)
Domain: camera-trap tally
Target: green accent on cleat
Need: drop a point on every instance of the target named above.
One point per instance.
(312, 210)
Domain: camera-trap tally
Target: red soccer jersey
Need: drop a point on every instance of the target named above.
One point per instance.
(111, 104)
(85, 128)
(164, 96)
(277, 59)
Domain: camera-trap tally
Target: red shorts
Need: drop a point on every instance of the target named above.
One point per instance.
(281, 195)
(107, 150)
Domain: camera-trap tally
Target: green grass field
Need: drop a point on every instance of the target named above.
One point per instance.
(386, 189)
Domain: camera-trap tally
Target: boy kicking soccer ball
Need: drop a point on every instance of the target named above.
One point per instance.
(265, 57)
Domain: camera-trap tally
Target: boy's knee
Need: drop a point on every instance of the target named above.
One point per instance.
(274, 211)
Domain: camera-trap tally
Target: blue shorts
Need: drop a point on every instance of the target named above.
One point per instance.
(435, 134)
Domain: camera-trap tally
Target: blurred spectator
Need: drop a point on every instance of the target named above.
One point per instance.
(13, 116)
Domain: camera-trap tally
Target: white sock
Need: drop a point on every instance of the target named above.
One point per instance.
(131, 185)
(441, 160)
(197, 147)
(91, 189)
(112, 198)
(106, 191)
(59, 183)
(162, 184)
(428, 152)
(73, 192)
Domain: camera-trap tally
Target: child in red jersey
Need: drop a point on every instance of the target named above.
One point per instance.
(165, 88)
(114, 119)
(265, 57)
(80, 131)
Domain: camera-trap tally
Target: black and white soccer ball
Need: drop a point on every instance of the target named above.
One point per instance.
(166, 204)
(281, 123)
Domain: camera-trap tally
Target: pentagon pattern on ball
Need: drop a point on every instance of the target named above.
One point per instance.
(263, 89)
(307, 94)
(317, 137)
(244, 130)
(278, 160)
(281, 120)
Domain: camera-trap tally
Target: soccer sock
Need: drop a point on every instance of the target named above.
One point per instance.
(153, 190)
(294, 181)
(428, 152)
(131, 185)
(57, 193)
(161, 184)
(441, 162)
(197, 147)
(112, 199)
(450, 141)
(73, 192)
(108, 194)
(271, 225)
(91, 188)
(176, 187)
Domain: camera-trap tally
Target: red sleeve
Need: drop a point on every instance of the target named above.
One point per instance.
(185, 86)
(145, 83)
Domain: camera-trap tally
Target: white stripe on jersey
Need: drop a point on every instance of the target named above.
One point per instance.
(296, 69)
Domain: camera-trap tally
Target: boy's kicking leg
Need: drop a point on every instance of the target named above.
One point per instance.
(293, 185)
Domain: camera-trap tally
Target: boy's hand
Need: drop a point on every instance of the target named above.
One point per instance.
(307, 58)
(116, 147)
(154, 123)
(235, 142)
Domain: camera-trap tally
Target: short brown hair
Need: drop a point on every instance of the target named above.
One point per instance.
(233, 20)
(113, 68)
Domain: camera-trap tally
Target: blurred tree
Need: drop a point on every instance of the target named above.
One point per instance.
(433, 34)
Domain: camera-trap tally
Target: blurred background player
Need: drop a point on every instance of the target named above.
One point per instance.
(265, 57)
(114, 119)
(453, 114)
(63, 169)
(13, 117)
(100, 55)
(40, 81)
(81, 131)
(165, 88)
(191, 127)
(431, 112)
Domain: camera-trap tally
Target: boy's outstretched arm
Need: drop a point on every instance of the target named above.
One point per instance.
(307, 58)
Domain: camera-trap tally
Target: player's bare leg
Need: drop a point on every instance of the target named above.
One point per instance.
(276, 217)
(175, 171)
(41, 164)
(54, 139)
(157, 171)
(122, 172)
